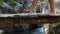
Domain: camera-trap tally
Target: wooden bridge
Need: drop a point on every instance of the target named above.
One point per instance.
(40, 19)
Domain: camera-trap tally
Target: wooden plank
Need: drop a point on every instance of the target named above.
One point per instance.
(36, 20)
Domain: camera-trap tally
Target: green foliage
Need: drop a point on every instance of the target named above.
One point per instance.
(6, 1)
(24, 5)
(12, 3)
(1, 3)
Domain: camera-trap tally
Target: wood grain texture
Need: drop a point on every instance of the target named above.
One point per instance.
(36, 20)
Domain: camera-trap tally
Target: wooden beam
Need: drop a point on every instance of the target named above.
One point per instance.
(36, 20)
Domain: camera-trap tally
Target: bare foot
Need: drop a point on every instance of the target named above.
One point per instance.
(51, 13)
(29, 11)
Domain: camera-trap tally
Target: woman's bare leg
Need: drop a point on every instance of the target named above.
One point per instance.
(33, 6)
(35, 3)
(51, 5)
